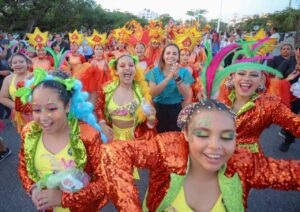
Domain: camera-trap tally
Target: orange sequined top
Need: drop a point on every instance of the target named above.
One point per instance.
(258, 114)
(92, 196)
(165, 155)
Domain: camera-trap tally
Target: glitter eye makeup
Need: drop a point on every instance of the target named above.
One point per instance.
(201, 133)
(228, 135)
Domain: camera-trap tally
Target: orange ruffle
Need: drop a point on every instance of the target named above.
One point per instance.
(281, 89)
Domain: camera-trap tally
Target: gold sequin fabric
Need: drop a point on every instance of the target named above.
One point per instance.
(167, 153)
(267, 110)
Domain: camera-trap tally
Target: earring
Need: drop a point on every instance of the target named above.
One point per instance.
(261, 87)
(229, 83)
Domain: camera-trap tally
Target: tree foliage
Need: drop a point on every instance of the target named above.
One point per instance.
(198, 15)
(60, 15)
(214, 24)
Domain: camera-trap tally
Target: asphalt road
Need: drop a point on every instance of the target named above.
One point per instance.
(13, 197)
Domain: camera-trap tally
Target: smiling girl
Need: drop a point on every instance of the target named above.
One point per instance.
(20, 65)
(198, 169)
(56, 141)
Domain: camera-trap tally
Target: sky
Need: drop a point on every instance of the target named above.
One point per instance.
(178, 8)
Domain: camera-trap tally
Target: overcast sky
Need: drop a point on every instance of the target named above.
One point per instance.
(178, 8)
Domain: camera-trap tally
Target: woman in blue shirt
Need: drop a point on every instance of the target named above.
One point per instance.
(169, 87)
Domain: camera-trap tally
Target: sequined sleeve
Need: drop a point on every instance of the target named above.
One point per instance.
(22, 171)
(163, 154)
(94, 191)
(117, 161)
(264, 172)
(143, 132)
(283, 116)
(100, 105)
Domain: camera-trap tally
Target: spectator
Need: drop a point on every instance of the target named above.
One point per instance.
(58, 40)
(285, 54)
(169, 87)
(287, 68)
(275, 34)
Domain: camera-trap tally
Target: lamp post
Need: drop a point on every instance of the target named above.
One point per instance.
(220, 14)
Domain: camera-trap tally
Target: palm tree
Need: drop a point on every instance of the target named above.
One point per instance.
(197, 14)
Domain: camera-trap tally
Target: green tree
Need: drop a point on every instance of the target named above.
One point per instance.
(214, 23)
(165, 18)
(198, 15)
(287, 20)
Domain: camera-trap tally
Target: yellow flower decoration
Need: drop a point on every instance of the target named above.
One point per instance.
(268, 46)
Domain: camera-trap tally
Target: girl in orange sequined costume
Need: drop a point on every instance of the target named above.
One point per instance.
(127, 117)
(185, 164)
(176, 165)
(245, 95)
(57, 141)
(124, 106)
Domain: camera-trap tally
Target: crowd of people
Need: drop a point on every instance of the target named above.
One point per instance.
(186, 103)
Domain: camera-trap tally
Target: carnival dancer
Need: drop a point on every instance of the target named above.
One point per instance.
(22, 113)
(187, 41)
(59, 139)
(98, 73)
(203, 158)
(154, 50)
(123, 106)
(122, 36)
(39, 40)
(74, 62)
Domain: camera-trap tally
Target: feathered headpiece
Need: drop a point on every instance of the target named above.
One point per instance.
(263, 44)
(37, 38)
(213, 74)
(76, 37)
(97, 39)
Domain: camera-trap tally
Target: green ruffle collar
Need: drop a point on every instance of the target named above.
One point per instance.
(31, 140)
(250, 104)
(231, 189)
(109, 92)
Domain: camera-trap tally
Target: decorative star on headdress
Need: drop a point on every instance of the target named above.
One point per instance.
(76, 37)
(96, 38)
(121, 34)
(156, 35)
(186, 41)
(153, 24)
(37, 38)
(265, 44)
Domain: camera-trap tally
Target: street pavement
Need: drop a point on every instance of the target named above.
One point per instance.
(14, 199)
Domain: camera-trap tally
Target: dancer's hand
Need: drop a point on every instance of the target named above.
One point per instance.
(34, 193)
(49, 198)
(107, 130)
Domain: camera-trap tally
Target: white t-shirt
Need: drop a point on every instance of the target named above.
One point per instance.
(276, 35)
